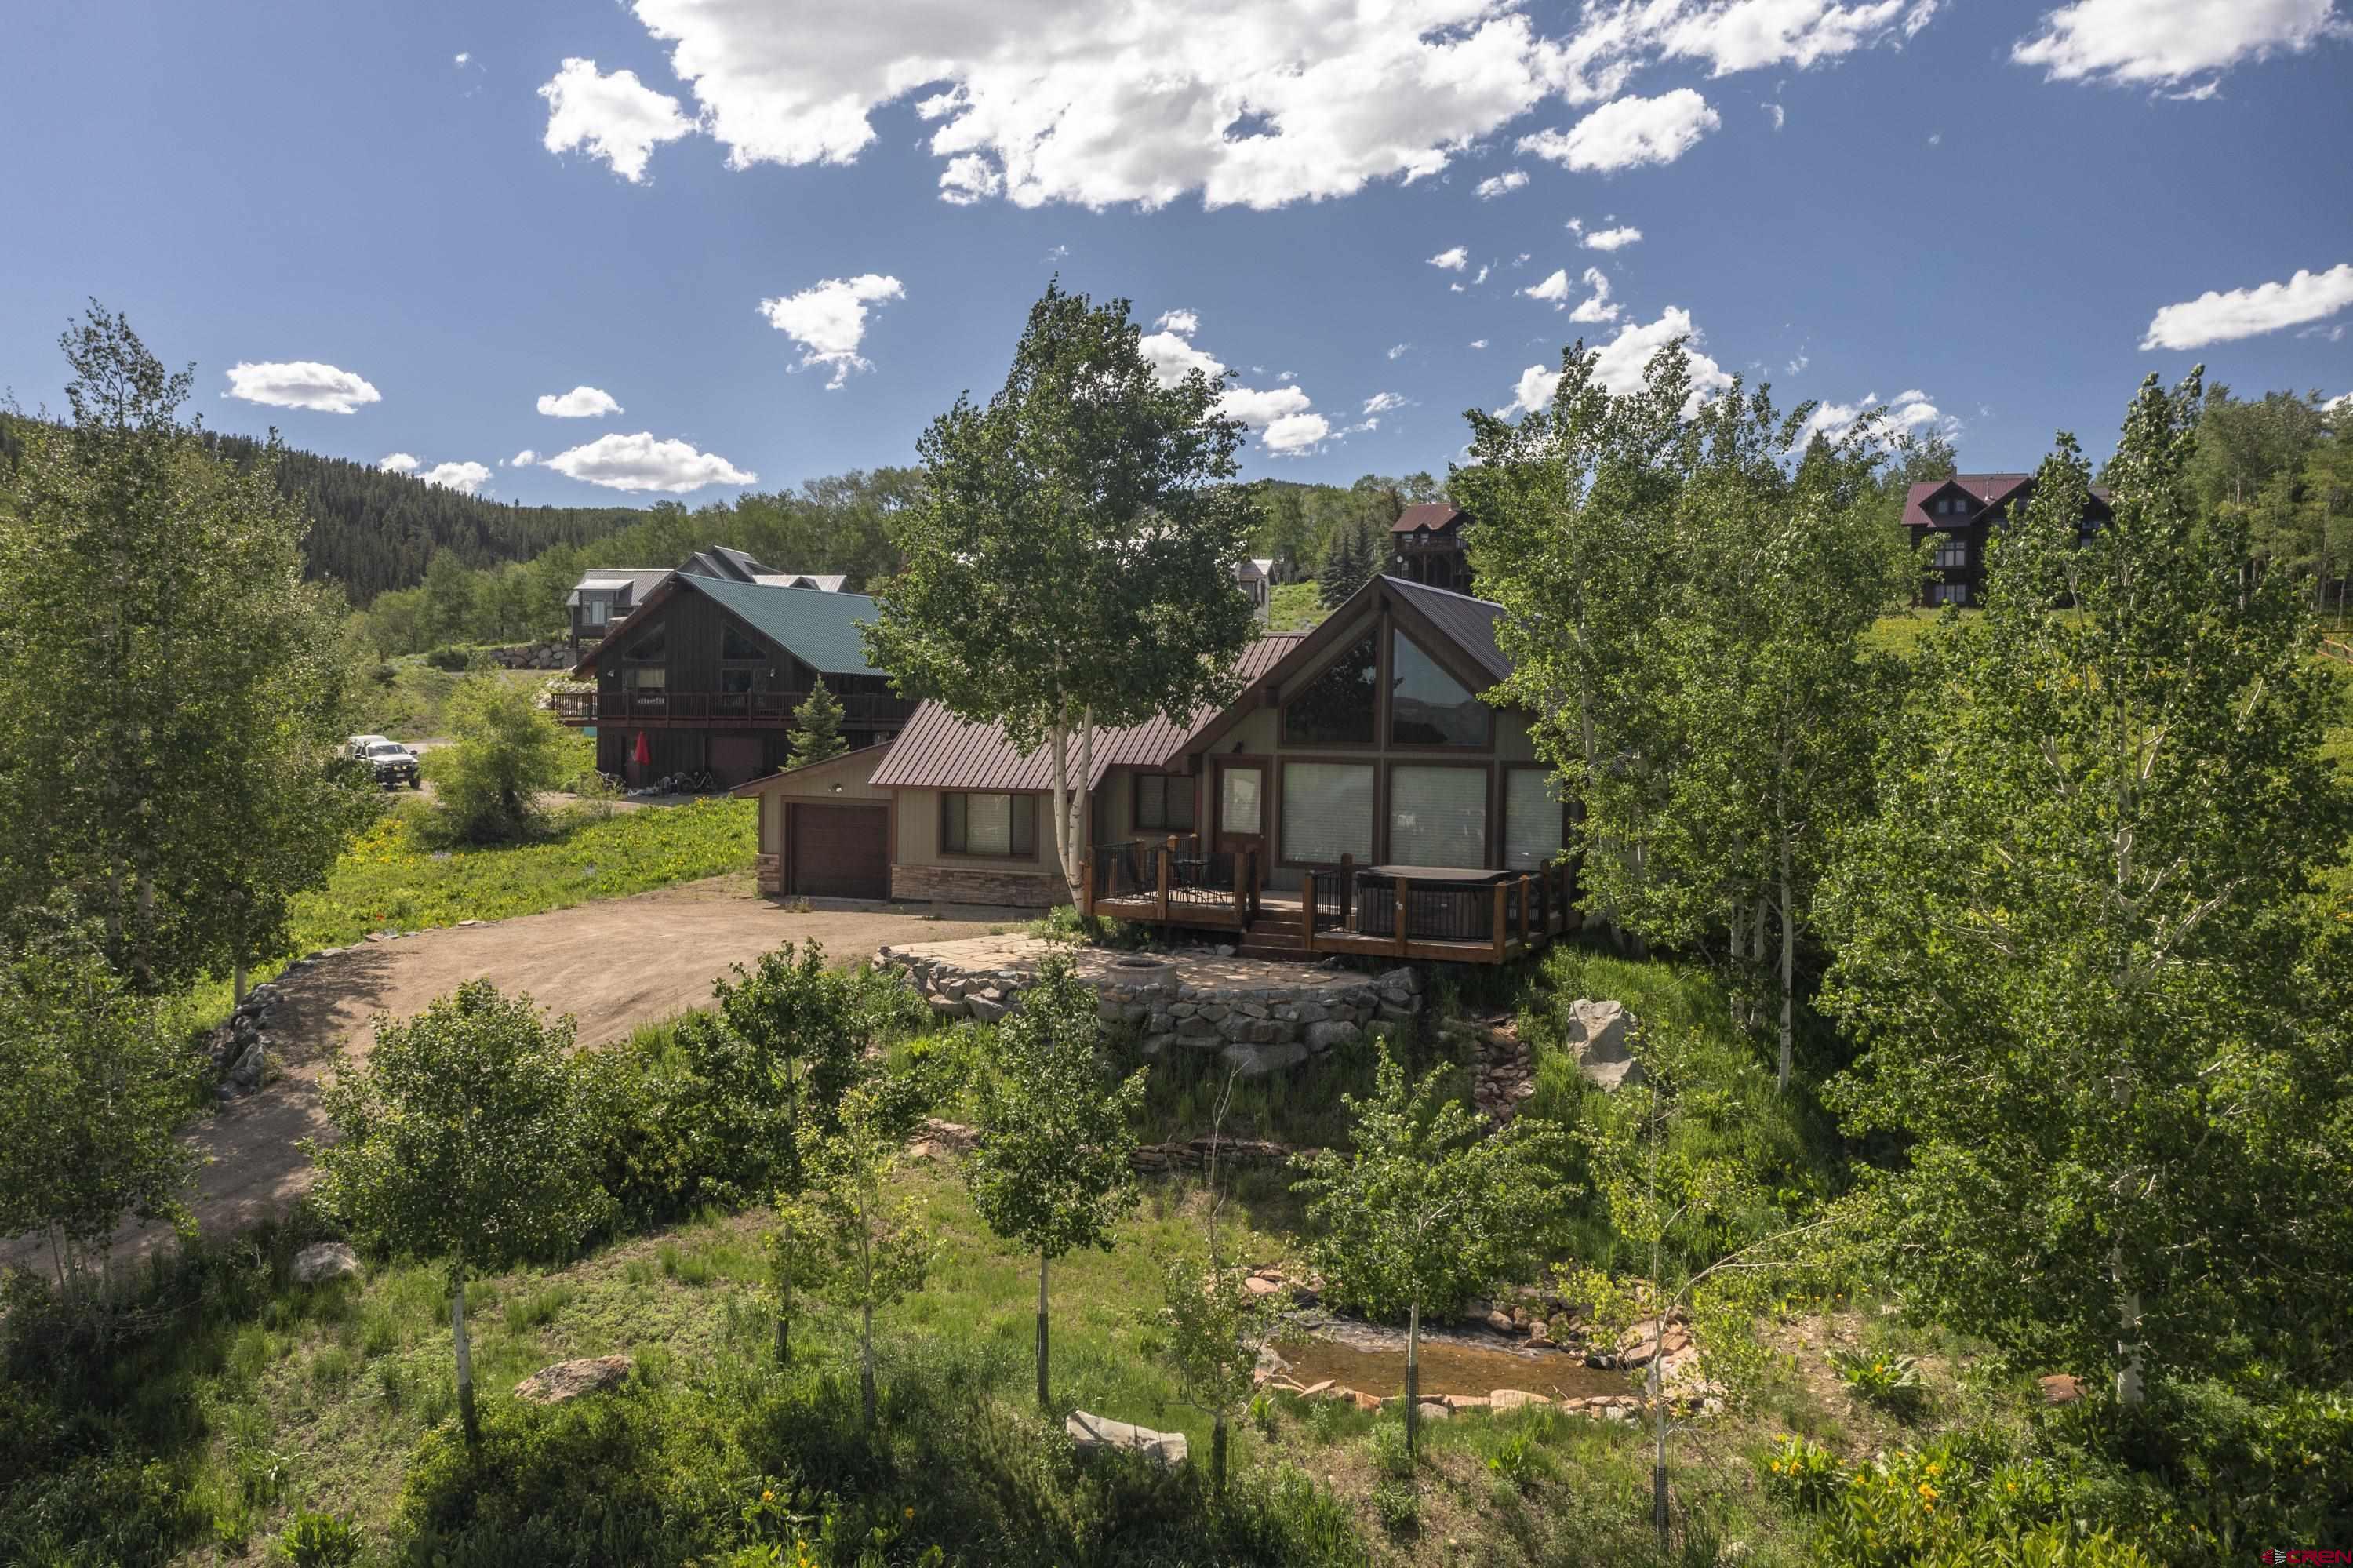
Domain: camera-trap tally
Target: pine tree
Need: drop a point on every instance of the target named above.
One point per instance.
(816, 729)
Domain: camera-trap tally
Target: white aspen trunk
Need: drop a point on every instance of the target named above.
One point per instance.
(1043, 1401)
(2131, 1384)
(865, 1363)
(237, 984)
(465, 1361)
(1074, 868)
(1789, 964)
(1058, 739)
(1412, 1370)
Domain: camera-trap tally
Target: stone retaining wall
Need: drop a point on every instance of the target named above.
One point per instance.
(532, 656)
(978, 885)
(1259, 1016)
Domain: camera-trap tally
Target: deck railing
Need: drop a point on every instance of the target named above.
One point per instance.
(648, 706)
(1172, 878)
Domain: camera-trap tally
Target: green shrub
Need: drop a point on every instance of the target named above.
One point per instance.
(506, 752)
(449, 658)
(1890, 1381)
(1397, 1507)
(1802, 1475)
(1390, 1455)
(319, 1540)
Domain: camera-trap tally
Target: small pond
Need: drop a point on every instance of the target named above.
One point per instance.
(1448, 1368)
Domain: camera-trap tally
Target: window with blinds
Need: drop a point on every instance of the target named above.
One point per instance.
(989, 824)
(1531, 819)
(1327, 811)
(1438, 816)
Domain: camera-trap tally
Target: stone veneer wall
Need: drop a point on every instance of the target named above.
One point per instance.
(977, 885)
(1259, 1016)
(768, 869)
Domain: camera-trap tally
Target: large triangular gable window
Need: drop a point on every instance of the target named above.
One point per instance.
(1336, 707)
(1427, 706)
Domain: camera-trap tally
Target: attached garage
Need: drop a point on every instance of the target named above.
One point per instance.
(837, 851)
(824, 831)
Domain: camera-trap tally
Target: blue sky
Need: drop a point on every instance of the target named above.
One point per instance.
(1989, 207)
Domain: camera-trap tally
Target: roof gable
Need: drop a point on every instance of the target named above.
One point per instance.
(938, 750)
(818, 628)
(1430, 515)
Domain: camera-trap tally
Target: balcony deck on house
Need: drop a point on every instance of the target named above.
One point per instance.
(656, 709)
(1442, 914)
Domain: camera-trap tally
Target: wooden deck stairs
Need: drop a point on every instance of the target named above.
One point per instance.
(1274, 936)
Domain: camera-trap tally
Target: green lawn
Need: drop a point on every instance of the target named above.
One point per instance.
(390, 880)
(1293, 607)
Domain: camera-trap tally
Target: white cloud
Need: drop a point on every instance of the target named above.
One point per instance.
(461, 57)
(300, 384)
(1628, 132)
(1258, 410)
(1613, 239)
(465, 477)
(1780, 115)
(1285, 376)
(1556, 289)
(1183, 323)
(1746, 35)
(969, 178)
(1908, 413)
(616, 117)
(1294, 435)
(1553, 289)
(1619, 364)
(639, 463)
(2163, 42)
(1453, 260)
(1056, 252)
(1173, 358)
(2325, 335)
(1382, 402)
(1799, 363)
(1397, 350)
(829, 321)
(523, 458)
(1596, 307)
(2215, 317)
(1126, 101)
(397, 462)
(1140, 102)
(1504, 184)
(1481, 278)
(1478, 342)
(580, 403)
(2342, 401)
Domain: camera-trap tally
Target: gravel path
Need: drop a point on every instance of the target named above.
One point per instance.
(612, 965)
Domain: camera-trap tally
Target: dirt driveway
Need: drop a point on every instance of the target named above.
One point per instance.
(612, 965)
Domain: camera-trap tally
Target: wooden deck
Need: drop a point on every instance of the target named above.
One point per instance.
(1349, 910)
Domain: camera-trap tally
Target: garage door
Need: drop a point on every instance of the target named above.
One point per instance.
(840, 852)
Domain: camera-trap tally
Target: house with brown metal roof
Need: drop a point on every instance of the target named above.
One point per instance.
(1358, 795)
(1426, 545)
(1958, 516)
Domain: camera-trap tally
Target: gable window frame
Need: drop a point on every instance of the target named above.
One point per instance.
(1153, 804)
(1391, 681)
(967, 816)
(733, 640)
(1348, 652)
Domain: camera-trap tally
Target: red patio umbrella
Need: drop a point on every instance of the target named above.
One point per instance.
(642, 754)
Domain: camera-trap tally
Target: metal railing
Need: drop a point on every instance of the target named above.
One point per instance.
(1178, 878)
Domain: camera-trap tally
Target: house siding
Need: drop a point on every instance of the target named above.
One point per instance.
(920, 869)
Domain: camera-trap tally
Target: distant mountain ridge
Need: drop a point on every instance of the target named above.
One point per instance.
(372, 529)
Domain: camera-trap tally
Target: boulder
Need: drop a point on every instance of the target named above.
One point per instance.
(1432, 1408)
(1327, 1389)
(570, 1380)
(1263, 1287)
(1514, 1399)
(324, 1261)
(2060, 1388)
(1466, 1402)
(1500, 1322)
(985, 1010)
(1094, 1431)
(1597, 1036)
(947, 1006)
(1368, 1402)
(1256, 1061)
(246, 1073)
(1406, 979)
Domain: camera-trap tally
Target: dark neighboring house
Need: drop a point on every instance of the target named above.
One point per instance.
(1956, 515)
(707, 672)
(605, 596)
(1425, 546)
